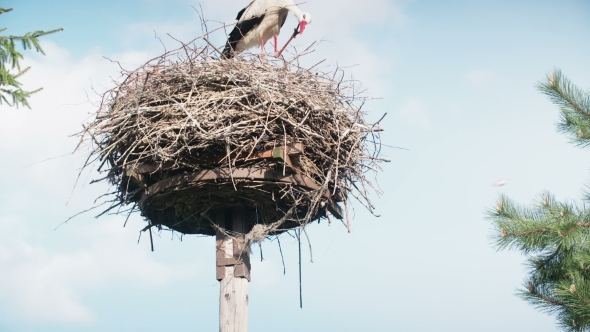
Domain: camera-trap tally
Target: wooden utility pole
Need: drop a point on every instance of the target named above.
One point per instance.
(233, 271)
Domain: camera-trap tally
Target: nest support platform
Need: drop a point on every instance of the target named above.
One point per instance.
(190, 202)
(188, 134)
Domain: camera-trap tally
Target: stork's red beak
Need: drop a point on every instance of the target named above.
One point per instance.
(302, 25)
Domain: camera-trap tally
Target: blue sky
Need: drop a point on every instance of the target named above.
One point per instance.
(457, 81)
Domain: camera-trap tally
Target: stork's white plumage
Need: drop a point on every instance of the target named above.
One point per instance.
(261, 20)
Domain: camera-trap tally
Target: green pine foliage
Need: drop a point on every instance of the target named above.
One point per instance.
(555, 236)
(575, 107)
(11, 91)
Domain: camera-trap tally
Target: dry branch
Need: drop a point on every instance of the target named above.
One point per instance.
(188, 112)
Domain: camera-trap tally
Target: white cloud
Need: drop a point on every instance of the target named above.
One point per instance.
(414, 112)
(43, 283)
(40, 280)
(183, 31)
(349, 15)
(342, 24)
(38, 283)
(330, 15)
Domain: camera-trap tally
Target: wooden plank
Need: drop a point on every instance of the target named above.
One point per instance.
(152, 167)
(239, 257)
(220, 239)
(279, 153)
(233, 295)
(251, 173)
(240, 252)
(295, 149)
(233, 303)
(225, 261)
(135, 177)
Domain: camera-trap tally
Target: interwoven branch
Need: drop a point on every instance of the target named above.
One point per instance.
(188, 111)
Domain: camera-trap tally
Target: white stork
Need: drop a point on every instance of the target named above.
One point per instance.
(259, 21)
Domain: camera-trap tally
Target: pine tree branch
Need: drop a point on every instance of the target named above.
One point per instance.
(533, 291)
(10, 88)
(564, 93)
(574, 105)
(554, 235)
(518, 234)
(568, 232)
(579, 297)
(35, 34)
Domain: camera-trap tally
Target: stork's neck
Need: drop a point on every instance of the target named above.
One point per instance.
(296, 11)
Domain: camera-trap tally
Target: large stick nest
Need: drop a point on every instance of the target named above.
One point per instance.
(187, 134)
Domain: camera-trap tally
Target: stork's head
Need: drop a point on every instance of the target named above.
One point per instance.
(305, 20)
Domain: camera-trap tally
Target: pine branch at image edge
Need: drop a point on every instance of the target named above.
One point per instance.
(11, 91)
(553, 235)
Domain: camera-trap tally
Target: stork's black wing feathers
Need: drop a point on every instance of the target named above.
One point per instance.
(239, 31)
(241, 13)
(243, 10)
(284, 18)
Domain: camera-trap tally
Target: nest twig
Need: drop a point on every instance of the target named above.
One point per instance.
(188, 111)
